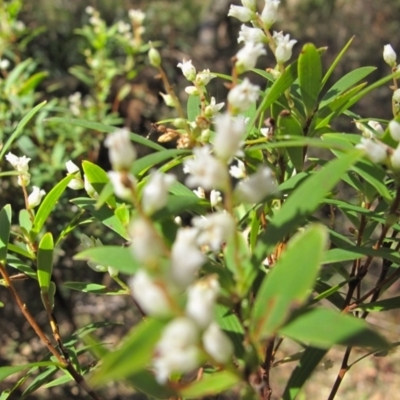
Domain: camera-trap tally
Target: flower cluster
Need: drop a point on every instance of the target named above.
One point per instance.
(20, 164)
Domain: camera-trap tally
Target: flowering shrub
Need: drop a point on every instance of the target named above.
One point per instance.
(225, 264)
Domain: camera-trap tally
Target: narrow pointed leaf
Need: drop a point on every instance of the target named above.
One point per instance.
(289, 125)
(5, 227)
(193, 107)
(211, 384)
(307, 364)
(301, 205)
(310, 76)
(45, 261)
(116, 257)
(133, 355)
(49, 202)
(7, 371)
(324, 328)
(289, 282)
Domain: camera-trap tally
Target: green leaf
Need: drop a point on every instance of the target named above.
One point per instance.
(145, 382)
(31, 83)
(381, 305)
(116, 257)
(98, 178)
(310, 76)
(324, 328)
(300, 204)
(5, 227)
(94, 288)
(277, 89)
(20, 127)
(133, 356)
(308, 362)
(97, 126)
(193, 107)
(45, 261)
(336, 61)
(211, 384)
(49, 202)
(289, 125)
(145, 163)
(103, 214)
(289, 283)
(345, 83)
(7, 371)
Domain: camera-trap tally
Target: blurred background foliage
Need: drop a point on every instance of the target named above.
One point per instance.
(48, 47)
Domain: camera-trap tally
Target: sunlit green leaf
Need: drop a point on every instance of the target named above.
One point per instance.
(5, 226)
(45, 261)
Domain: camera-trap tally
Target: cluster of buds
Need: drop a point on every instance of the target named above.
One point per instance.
(20, 164)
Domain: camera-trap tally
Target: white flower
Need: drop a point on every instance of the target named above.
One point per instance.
(155, 193)
(269, 13)
(396, 95)
(177, 350)
(122, 184)
(212, 109)
(89, 10)
(186, 257)
(146, 246)
(389, 55)
(394, 129)
(243, 14)
(91, 191)
(123, 27)
(121, 151)
(215, 198)
(35, 197)
(136, 16)
(214, 229)
(243, 96)
(251, 4)
(76, 183)
(154, 57)
(238, 171)
(204, 77)
(246, 58)
(19, 163)
(201, 301)
(229, 136)
(200, 193)
(395, 159)
(376, 126)
(248, 34)
(192, 90)
(188, 70)
(205, 170)
(4, 63)
(217, 344)
(372, 128)
(89, 243)
(284, 47)
(169, 100)
(150, 295)
(256, 186)
(375, 151)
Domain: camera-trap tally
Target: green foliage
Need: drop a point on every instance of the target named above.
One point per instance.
(281, 253)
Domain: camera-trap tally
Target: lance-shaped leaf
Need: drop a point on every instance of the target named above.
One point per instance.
(289, 282)
(324, 328)
(310, 76)
(289, 125)
(301, 204)
(5, 226)
(45, 262)
(49, 202)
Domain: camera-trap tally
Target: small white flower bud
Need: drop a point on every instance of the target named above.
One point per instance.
(243, 96)
(121, 151)
(188, 70)
(168, 100)
(154, 57)
(76, 183)
(122, 184)
(269, 13)
(192, 90)
(375, 151)
(217, 344)
(90, 190)
(395, 159)
(243, 14)
(204, 77)
(250, 4)
(246, 58)
(35, 197)
(396, 95)
(389, 55)
(394, 129)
